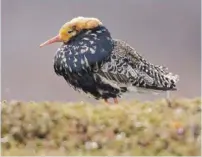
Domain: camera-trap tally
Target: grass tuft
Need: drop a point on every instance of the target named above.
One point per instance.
(129, 128)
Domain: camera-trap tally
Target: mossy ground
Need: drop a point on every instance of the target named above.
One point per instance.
(129, 128)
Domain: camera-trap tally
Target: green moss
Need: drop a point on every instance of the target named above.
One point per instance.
(129, 128)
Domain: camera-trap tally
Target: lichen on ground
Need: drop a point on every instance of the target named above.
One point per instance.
(129, 128)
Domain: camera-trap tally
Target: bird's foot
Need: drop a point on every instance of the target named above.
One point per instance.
(115, 101)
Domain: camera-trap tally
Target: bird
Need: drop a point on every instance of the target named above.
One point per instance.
(93, 62)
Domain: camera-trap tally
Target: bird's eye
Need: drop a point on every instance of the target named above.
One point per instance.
(70, 31)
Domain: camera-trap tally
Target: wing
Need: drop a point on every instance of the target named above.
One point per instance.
(126, 67)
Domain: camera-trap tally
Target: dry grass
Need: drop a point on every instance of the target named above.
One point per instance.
(129, 128)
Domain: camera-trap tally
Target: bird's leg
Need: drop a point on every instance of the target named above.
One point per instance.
(106, 101)
(116, 101)
(168, 99)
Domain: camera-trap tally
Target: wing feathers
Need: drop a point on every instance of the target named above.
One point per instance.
(127, 67)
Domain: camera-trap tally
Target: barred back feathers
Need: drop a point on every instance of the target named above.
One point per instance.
(95, 63)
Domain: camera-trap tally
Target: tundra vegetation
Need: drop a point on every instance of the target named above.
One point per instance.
(128, 128)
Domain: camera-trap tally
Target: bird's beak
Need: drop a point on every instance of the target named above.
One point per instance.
(52, 40)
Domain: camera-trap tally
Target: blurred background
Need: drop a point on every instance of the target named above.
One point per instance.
(164, 32)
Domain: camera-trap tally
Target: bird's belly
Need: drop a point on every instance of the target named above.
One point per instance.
(83, 82)
(90, 84)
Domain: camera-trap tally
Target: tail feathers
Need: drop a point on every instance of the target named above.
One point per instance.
(175, 78)
(169, 79)
(160, 82)
(167, 74)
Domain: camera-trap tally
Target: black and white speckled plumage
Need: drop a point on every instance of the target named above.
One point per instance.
(86, 49)
(126, 67)
(95, 63)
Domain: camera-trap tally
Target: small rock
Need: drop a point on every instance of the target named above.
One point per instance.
(138, 124)
(149, 110)
(178, 111)
(91, 145)
(120, 136)
(4, 139)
